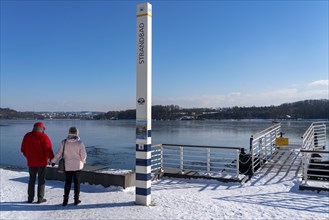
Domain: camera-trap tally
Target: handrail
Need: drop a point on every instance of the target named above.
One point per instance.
(313, 145)
(266, 130)
(262, 145)
(201, 146)
(219, 159)
(211, 161)
(314, 137)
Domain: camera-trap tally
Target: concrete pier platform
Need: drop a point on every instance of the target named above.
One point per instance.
(98, 176)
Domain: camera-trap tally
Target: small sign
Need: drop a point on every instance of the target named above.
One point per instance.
(140, 146)
(141, 130)
(281, 141)
(141, 101)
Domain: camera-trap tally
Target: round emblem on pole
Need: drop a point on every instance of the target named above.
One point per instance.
(141, 101)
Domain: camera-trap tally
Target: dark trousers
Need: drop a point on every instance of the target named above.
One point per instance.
(75, 175)
(41, 171)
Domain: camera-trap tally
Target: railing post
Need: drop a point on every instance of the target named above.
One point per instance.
(237, 164)
(252, 154)
(208, 161)
(181, 159)
(161, 159)
(305, 167)
(261, 151)
(273, 142)
(265, 144)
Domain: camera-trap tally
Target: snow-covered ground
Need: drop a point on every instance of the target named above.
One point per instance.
(264, 197)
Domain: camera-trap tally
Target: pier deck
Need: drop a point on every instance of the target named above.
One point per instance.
(286, 162)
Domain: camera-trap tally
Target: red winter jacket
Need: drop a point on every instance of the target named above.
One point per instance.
(37, 149)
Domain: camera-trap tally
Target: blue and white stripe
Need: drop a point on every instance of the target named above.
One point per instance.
(143, 173)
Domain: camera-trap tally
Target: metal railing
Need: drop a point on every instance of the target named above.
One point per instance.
(314, 168)
(314, 137)
(211, 161)
(262, 145)
(215, 161)
(313, 146)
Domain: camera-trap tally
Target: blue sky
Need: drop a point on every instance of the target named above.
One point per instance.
(81, 55)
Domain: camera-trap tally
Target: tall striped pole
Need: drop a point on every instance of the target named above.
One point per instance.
(143, 103)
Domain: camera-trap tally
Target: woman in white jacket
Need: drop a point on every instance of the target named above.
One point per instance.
(75, 156)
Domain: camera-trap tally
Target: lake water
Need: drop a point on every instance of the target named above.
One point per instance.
(112, 143)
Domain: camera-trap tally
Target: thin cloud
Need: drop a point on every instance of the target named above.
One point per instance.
(323, 82)
(265, 98)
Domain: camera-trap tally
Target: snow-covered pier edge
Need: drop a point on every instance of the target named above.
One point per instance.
(94, 175)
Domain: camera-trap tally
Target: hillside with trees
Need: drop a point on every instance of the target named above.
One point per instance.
(308, 109)
(6, 113)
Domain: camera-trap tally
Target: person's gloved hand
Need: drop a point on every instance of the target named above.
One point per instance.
(52, 164)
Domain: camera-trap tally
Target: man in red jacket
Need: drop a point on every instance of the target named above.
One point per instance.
(37, 149)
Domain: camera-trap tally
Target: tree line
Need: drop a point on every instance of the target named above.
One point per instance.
(307, 109)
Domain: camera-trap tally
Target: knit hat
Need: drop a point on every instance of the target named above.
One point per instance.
(39, 125)
(73, 131)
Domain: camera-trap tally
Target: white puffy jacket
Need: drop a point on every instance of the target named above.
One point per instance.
(74, 154)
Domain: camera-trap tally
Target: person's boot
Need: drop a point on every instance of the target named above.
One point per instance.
(42, 200)
(76, 200)
(65, 201)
